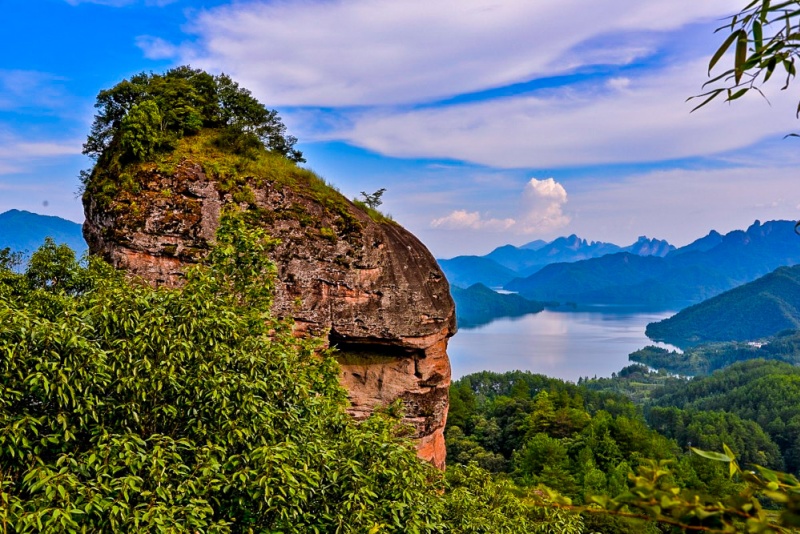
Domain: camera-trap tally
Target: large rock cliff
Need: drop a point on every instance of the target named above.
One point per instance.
(363, 282)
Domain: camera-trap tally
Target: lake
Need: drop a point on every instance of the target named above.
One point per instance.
(565, 345)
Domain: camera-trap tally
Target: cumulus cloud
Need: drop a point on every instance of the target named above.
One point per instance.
(542, 206)
(463, 219)
(540, 211)
(375, 52)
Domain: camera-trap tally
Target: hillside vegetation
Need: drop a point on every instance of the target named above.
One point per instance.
(753, 311)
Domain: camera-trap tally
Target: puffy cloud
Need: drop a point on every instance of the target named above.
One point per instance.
(542, 204)
(540, 211)
(463, 219)
(368, 52)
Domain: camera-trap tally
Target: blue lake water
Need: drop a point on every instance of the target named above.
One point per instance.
(565, 345)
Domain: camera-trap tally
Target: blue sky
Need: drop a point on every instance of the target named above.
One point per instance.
(488, 122)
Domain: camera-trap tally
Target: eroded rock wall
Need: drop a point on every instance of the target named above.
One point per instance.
(370, 287)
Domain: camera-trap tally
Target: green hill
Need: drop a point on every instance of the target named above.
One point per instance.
(759, 309)
(478, 305)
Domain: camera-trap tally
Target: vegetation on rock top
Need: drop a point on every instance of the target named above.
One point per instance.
(153, 122)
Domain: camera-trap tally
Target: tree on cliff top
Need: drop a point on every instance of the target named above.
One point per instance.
(149, 112)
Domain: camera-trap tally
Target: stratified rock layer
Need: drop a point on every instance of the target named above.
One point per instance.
(371, 287)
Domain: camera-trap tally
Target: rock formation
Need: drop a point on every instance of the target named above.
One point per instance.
(367, 285)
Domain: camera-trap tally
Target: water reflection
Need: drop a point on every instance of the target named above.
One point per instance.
(565, 345)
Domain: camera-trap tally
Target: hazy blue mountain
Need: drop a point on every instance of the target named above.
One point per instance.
(464, 271)
(508, 262)
(683, 277)
(703, 244)
(649, 247)
(478, 305)
(534, 245)
(23, 231)
(755, 310)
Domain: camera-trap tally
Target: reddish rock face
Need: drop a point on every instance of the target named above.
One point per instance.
(370, 287)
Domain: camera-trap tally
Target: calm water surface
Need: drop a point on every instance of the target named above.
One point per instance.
(565, 345)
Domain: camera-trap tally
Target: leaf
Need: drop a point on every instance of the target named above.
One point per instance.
(721, 51)
(741, 55)
(758, 36)
(717, 456)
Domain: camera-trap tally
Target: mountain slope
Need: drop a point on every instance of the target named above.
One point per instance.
(754, 310)
(464, 271)
(23, 231)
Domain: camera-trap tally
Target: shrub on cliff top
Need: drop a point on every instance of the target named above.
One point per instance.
(147, 113)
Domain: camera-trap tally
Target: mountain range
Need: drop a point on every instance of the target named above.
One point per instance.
(690, 274)
(508, 262)
(24, 232)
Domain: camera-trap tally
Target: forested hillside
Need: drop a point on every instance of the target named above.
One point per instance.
(761, 392)
(756, 310)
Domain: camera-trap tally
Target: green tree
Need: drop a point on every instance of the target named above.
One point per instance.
(147, 111)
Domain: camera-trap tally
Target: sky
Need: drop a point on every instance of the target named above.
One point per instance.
(487, 121)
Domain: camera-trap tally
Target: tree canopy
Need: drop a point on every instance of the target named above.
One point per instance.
(148, 112)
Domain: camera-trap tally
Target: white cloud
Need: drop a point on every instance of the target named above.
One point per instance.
(26, 88)
(463, 219)
(643, 119)
(540, 211)
(367, 52)
(542, 204)
(17, 156)
(156, 48)
(681, 205)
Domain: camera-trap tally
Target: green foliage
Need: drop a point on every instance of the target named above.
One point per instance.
(150, 112)
(373, 200)
(636, 381)
(545, 431)
(129, 408)
(764, 395)
(707, 358)
(765, 38)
